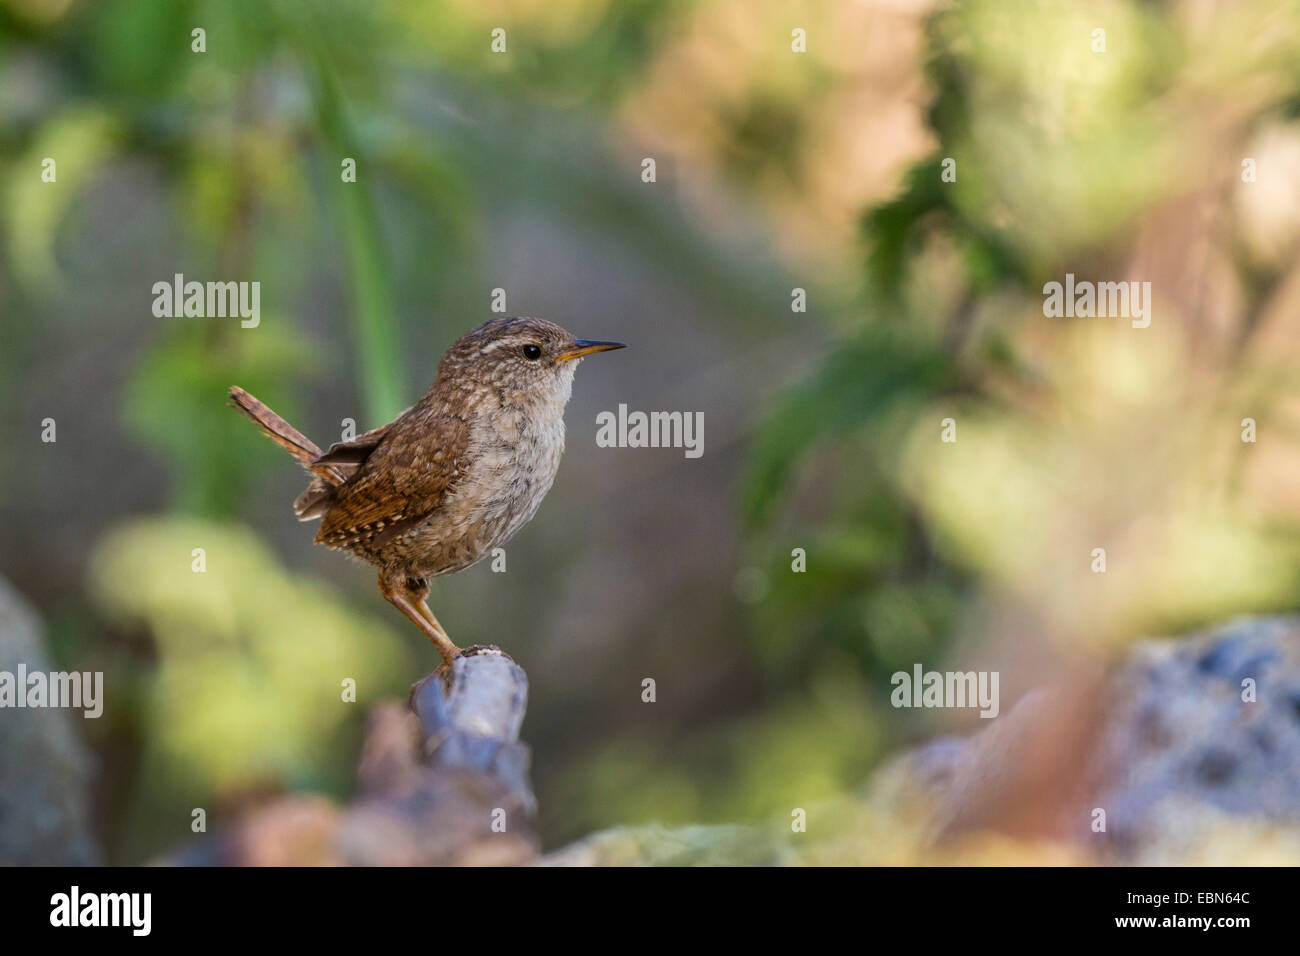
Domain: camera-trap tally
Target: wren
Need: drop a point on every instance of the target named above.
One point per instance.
(456, 474)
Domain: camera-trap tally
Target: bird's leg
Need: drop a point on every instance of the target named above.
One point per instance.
(418, 589)
(410, 601)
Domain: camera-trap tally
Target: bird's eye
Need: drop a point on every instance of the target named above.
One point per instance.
(532, 352)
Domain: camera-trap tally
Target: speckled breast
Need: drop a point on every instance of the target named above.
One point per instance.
(514, 465)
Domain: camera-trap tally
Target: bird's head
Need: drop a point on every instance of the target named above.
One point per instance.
(520, 358)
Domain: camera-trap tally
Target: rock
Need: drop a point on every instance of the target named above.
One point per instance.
(44, 769)
(441, 782)
(1164, 743)
(1182, 751)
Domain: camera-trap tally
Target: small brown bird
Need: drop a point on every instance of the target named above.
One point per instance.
(456, 474)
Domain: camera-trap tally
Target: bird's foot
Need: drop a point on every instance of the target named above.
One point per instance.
(444, 669)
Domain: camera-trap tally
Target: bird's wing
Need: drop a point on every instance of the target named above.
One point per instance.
(342, 461)
(399, 483)
(354, 452)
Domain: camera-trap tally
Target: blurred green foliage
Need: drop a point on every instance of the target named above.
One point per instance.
(744, 770)
(1070, 436)
(252, 663)
(206, 446)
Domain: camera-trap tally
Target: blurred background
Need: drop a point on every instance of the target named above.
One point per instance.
(776, 170)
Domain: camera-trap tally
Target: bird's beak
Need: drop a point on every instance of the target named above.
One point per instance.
(581, 347)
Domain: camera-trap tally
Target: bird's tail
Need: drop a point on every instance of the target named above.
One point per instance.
(285, 435)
